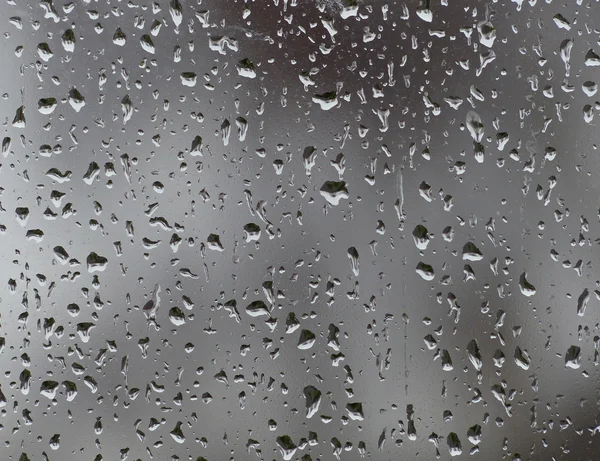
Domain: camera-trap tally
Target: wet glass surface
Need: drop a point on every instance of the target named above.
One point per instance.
(299, 229)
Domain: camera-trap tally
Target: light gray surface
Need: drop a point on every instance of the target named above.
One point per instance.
(499, 206)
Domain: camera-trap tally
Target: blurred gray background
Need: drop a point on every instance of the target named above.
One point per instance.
(125, 177)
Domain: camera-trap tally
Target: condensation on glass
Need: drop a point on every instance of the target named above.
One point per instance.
(299, 230)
